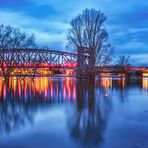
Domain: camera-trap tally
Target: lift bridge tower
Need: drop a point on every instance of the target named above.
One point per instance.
(86, 62)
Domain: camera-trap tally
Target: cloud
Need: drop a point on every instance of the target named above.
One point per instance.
(109, 6)
(15, 19)
(139, 59)
(46, 31)
(134, 45)
(49, 21)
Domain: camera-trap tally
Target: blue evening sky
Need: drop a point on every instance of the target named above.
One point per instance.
(49, 20)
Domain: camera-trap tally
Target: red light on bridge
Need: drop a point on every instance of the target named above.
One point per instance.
(70, 64)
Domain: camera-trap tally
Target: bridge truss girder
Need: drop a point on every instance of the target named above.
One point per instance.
(23, 59)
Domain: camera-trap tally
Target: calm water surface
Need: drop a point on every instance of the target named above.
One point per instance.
(70, 113)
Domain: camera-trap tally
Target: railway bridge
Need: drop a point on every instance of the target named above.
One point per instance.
(35, 61)
(41, 62)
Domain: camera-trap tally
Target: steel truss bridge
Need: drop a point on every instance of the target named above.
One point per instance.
(32, 58)
(29, 61)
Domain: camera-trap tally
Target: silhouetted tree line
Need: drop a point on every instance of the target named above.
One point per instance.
(11, 37)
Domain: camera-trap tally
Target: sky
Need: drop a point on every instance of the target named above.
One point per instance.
(49, 20)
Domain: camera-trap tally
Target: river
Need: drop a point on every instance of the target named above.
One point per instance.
(64, 112)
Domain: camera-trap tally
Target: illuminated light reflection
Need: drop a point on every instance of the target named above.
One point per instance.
(4, 90)
(46, 87)
(64, 93)
(57, 92)
(145, 83)
(145, 74)
(19, 89)
(106, 83)
(123, 83)
(74, 91)
(14, 85)
(25, 89)
(43, 88)
(68, 87)
(1, 86)
(51, 89)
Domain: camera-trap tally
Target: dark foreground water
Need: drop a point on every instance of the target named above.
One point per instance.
(67, 113)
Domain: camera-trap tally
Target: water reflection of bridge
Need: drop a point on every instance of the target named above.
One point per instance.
(20, 100)
(42, 89)
(58, 89)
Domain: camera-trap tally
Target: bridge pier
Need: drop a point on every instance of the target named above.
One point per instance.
(86, 74)
(86, 63)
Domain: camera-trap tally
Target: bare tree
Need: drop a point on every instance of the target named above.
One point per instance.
(7, 62)
(87, 30)
(123, 60)
(11, 37)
